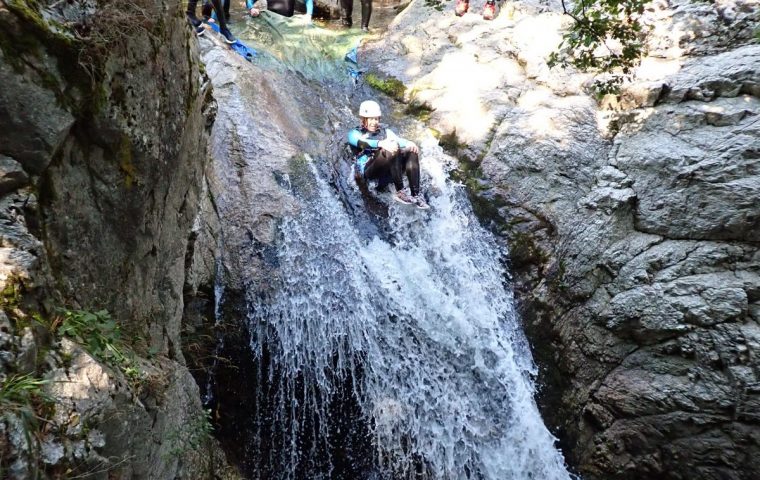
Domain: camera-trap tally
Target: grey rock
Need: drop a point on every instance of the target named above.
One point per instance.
(754, 311)
(610, 176)
(245, 142)
(96, 438)
(202, 251)
(12, 176)
(104, 226)
(608, 198)
(32, 124)
(13, 428)
(93, 394)
(133, 217)
(79, 450)
(19, 264)
(19, 470)
(51, 451)
(18, 214)
(725, 75)
(7, 341)
(696, 174)
(26, 357)
(700, 29)
(641, 94)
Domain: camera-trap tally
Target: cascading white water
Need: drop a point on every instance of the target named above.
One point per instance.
(445, 376)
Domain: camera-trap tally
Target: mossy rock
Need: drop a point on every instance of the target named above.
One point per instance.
(419, 110)
(450, 143)
(391, 86)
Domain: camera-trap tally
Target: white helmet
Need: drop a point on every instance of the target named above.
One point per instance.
(369, 108)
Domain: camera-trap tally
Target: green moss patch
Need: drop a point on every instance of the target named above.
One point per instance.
(126, 164)
(419, 110)
(391, 86)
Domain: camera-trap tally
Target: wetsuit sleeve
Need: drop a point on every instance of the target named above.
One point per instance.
(402, 142)
(356, 140)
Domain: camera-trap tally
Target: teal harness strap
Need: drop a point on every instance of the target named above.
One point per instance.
(361, 163)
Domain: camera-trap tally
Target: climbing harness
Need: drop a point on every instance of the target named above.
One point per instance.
(351, 58)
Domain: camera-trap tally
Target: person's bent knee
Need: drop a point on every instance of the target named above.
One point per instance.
(410, 157)
(387, 155)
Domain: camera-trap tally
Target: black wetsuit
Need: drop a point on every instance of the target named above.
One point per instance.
(375, 163)
(347, 9)
(208, 6)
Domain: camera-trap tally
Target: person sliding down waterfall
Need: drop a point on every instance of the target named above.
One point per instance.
(379, 154)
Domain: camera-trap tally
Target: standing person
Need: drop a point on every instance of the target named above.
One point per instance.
(196, 23)
(347, 10)
(380, 154)
(309, 4)
(209, 15)
(489, 9)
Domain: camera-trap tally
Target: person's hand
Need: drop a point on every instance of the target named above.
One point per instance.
(255, 12)
(390, 145)
(412, 147)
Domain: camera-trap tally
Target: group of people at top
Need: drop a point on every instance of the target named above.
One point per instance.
(219, 11)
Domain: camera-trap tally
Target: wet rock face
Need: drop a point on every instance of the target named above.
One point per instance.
(253, 142)
(633, 225)
(101, 161)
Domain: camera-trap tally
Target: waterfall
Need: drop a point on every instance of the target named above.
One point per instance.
(412, 333)
(384, 338)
